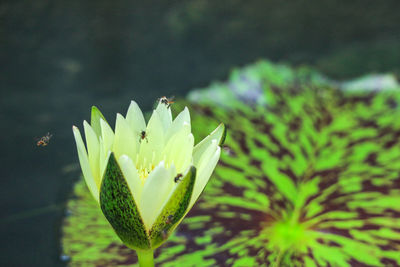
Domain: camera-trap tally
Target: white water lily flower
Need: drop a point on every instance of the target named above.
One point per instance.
(146, 178)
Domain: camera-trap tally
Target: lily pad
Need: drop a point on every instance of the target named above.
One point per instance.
(310, 179)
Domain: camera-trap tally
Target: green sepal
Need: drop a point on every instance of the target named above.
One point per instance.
(95, 117)
(174, 210)
(120, 209)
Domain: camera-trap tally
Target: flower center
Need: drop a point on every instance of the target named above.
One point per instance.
(144, 170)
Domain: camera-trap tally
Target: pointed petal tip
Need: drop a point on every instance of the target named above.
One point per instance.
(125, 158)
(75, 130)
(96, 110)
(119, 116)
(133, 104)
(111, 156)
(186, 110)
(135, 118)
(95, 118)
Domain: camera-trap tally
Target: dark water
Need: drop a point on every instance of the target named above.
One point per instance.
(60, 57)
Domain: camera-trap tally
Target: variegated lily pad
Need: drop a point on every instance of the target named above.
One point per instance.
(312, 178)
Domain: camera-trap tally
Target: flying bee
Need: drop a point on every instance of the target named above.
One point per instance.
(178, 177)
(167, 101)
(44, 140)
(143, 135)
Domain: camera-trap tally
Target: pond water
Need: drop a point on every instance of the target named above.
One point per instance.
(60, 58)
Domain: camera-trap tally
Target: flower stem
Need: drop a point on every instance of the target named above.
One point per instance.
(146, 258)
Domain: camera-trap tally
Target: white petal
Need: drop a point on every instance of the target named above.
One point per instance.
(208, 153)
(177, 124)
(103, 158)
(156, 190)
(92, 143)
(132, 177)
(185, 157)
(204, 173)
(107, 135)
(203, 145)
(165, 115)
(84, 161)
(125, 142)
(179, 149)
(135, 118)
(151, 146)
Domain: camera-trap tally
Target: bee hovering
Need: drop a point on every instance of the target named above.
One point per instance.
(44, 140)
(143, 135)
(167, 101)
(178, 177)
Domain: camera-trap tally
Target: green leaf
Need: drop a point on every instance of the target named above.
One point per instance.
(174, 210)
(96, 115)
(120, 209)
(311, 180)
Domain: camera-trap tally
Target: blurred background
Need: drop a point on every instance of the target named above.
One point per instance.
(58, 58)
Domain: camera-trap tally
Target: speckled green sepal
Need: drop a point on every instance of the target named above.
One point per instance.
(120, 209)
(174, 210)
(95, 117)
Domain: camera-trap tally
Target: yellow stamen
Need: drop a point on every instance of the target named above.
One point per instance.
(144, 170)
